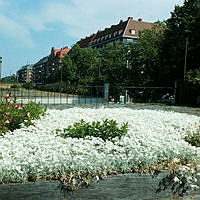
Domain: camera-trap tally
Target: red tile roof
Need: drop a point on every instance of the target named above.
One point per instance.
(59, 53)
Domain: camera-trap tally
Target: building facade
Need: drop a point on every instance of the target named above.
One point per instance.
(55, 59)
(25, 74)
(39, 71)
(124, 31)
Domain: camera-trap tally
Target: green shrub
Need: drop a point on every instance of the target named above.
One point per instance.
(12, 115)
(194, 138)
(107, 130)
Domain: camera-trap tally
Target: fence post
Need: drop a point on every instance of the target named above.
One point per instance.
(179, 92)
(175, 92)
(106, 92)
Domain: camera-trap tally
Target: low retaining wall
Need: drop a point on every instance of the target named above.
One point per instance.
(116, 187)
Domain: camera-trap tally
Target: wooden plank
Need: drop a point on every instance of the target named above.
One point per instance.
(115, 187)
(121, 187)
(46, 190)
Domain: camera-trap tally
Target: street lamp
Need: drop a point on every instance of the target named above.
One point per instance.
(186, 51)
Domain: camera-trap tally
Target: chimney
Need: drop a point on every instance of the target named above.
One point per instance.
(140, 20)
(130, 17)
(121, 21)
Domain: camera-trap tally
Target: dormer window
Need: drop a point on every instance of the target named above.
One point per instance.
(132, 31)
(120, 32)
(115, 33)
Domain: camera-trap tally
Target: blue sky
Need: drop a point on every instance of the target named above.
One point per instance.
(30, 28)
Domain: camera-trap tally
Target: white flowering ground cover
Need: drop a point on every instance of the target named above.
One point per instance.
(38, 152)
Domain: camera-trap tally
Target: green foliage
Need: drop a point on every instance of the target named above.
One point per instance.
(80, 65)
(12, 115)
(192, 87)
(10, 79)
(107, 130)
(113, 62)
(183, 18)
(145, 57)
(194, 138)
(33, 111)
(193, 76)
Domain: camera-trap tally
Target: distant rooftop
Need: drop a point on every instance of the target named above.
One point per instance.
(29, 66)
(59, 53)
(128, 28)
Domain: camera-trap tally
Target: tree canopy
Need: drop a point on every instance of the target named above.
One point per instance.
(183, 24)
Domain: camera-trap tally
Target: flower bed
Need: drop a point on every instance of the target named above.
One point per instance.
(155, 140)
(13, 115)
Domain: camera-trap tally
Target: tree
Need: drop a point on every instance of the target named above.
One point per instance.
(113, 63)
(68, 70)
(145, 57)
(9, 79)
(183, 18)
(192, 87)
(80, 65)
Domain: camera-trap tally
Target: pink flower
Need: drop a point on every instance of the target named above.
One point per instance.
(8, 107)
(7, 121)
(19, 106)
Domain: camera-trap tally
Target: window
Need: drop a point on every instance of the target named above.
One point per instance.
(132, 31)
(129, 40)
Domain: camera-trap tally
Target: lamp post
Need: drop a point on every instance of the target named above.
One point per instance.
(60, 67)
(186, 52)
(127, 67)
(0, 67)
(99, 65)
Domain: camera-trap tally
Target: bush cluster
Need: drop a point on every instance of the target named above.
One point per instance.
(194, 138)
(106, 130)
(12, 115)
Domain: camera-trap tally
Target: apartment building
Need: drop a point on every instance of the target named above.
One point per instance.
(39, 71)
(124, 31)
(25, 74)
